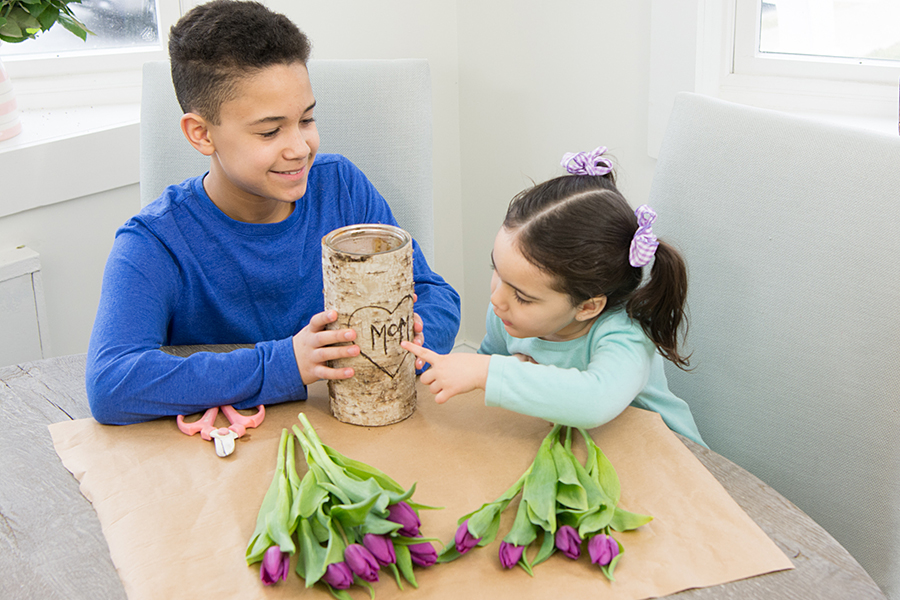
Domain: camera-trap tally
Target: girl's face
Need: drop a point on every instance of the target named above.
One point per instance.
(524, 299)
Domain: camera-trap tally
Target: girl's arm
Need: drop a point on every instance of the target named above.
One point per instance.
(618, 370)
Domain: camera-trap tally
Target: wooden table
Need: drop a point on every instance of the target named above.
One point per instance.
(51, 545)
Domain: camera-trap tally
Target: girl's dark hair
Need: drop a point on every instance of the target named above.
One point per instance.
(216, 44)
(578, 229)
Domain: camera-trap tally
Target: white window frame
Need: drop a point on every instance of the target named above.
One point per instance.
(80, 112)
(694, 45)
(747, 61)
(89, 78)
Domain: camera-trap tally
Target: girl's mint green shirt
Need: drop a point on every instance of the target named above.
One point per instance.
(584, 382)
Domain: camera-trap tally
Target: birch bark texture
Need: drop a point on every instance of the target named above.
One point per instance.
(367, 272)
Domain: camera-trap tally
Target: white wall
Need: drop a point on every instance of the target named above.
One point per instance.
(515, 85)
(538, 80)
(403, 29)
(73, 239)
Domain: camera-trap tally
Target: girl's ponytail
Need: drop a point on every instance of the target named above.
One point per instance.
(659, 304)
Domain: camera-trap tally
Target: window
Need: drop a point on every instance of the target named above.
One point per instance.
(59, 70)
(865, 30)
(116, 25)
(844, 40)
(831, 59)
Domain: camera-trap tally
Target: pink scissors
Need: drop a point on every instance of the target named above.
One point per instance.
(223, 436)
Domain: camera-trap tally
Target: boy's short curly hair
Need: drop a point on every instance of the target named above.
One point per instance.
(216, 44)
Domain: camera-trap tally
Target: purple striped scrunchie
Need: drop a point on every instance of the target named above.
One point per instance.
(587, 163)
(644, 243)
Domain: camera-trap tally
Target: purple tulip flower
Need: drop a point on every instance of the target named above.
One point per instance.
(404, 514)
(568, 541)
(338, 575)
(464, 540)
(602, 549)
(361, 562)
(510, 554)
(423, 554)
(275, 565)
(381, 547)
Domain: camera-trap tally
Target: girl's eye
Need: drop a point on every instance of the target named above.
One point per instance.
(520, 299)
(269, 134)
(308, 121)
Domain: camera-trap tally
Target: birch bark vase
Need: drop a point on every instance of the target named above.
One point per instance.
(367, 272)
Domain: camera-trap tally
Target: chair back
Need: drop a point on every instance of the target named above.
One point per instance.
(791, 232)
(377, 113)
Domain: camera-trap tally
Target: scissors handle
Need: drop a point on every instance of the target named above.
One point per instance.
(240, 423)
(204, 424)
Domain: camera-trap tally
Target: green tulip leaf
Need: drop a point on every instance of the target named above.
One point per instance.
(310, 496)
(569, 491)
(626, 521)
(486, 521)
(405, 564)
(601, 470)
(368, 586)
(539, 488)
(362, 470)
(379, 526)
(339, 594)
(594, 521)
(548, 547)
(525, 564)
(609, 569)
(262, 538)
(311, 566)
(353, 515)
(523, 531)
(448, 553)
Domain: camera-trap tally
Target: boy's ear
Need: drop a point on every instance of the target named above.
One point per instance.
(591, 308)
(196, 129)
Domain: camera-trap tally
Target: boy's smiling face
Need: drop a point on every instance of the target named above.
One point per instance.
(263, 147)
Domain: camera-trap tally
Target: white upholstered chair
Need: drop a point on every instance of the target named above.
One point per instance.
(377, 113)
(791, 231)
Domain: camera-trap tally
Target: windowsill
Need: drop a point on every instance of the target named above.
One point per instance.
(68, 153)
(49, 126)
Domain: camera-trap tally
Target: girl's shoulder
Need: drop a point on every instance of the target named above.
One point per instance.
(617, 324)
(615, 321)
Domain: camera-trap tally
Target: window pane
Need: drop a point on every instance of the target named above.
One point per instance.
(116, 23)
(863, 29)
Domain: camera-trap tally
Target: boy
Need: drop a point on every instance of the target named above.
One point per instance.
(234, 256)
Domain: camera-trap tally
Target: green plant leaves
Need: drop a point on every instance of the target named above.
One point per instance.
(22, 20)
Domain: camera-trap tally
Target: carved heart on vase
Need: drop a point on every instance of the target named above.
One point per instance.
(380, 332)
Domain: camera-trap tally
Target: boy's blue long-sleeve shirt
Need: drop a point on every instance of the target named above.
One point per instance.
(182, 272)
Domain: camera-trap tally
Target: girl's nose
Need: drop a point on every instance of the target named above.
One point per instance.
(497, 296)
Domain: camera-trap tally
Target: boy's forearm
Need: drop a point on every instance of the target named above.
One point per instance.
(149, 384)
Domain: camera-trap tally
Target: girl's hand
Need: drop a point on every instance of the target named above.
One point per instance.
(314, 346)
(451, 374)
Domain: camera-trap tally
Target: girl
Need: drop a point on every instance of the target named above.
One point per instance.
(572, 335)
